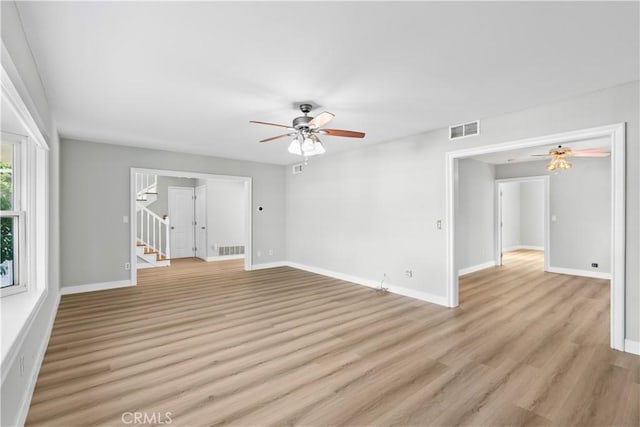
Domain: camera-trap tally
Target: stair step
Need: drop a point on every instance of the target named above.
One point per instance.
(139, 244)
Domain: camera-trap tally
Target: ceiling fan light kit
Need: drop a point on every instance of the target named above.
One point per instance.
(305, 130)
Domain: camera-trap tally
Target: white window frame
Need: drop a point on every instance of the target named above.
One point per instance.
(21, 186)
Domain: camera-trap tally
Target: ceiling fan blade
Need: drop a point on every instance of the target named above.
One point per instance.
(539, 155)
(270, 124)
(321, 120)
(275, 137)
(346, 133)
(591, 154)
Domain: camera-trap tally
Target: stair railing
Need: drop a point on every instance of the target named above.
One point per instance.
(153, 232)
(145, 183)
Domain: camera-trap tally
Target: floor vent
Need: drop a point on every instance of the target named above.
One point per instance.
(297, 169)
(464, 130)
(230, 250)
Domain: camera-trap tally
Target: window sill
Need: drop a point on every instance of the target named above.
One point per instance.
(17, 312)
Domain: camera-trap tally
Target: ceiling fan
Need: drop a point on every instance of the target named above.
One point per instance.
(558, 156)
(305, 130)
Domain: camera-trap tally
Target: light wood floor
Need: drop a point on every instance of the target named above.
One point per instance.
(212, 344)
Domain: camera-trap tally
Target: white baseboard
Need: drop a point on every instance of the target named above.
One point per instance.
(632, 346)
(474, 268)
(91, 287)
(269, 265)
(223, 258)
(399, 290)
(582, 273)
(33, 377)
(518, 247)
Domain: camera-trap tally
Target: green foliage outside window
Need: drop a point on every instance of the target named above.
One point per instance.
(6, 204)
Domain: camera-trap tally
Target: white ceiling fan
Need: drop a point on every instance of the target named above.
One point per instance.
(558, 156)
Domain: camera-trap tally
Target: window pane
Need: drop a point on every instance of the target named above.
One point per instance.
(8, 251)
(6, 177)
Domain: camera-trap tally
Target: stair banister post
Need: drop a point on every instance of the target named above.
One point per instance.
(168, 242)
(154, 234)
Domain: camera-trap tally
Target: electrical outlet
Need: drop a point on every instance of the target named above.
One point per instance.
(259, 254)
(594, 264)
(439, 224)
(270, 251)
(408, 273)
(127, 266)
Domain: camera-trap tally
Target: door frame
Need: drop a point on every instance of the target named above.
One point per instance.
(248, 184)
(195, 214)
(193, 193)
(617, 135)
(547, 214)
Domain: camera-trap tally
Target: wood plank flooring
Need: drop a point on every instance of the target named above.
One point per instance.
(212, 344)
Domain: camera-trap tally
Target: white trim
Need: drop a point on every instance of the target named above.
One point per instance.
(581, 273)
(223, 258)
(632, 346)
(527, 247)
(411, 293)
(91, 287)
(248, 183)
(19, 108)
(616, 133)
(269, 265)
(23, 410)
(477, 267)
(498, 250)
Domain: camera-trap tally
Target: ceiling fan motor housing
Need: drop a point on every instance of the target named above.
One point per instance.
(302, 122)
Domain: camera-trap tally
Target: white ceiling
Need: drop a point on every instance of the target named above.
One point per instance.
(189, 76)
(526, 154)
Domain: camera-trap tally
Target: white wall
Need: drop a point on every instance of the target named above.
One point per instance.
(23, 72)
(226, 215)
(532, 214)
(510, 216)
(475, 219)
(373, 210)
(580, 199)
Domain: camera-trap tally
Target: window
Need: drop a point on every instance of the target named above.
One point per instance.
(12, 216)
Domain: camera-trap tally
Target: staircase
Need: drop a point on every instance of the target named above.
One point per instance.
(152, 231)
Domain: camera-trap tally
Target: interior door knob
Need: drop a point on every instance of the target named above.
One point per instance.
(172, 227)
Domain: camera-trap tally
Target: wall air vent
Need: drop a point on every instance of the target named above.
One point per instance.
(464, 130)
(230, 250)
(298, 168)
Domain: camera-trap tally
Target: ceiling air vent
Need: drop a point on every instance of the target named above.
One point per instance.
(464, 130)
(297, 169)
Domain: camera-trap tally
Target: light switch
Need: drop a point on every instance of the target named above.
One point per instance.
(553, 218)
(125, 219)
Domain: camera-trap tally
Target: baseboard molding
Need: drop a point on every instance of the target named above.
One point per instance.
(399, 290)
(582, 273)
(269, 265)
(474, 268)
(632, 346)
(33, 377)
(91, 287)
(223, 258)
(519, 247)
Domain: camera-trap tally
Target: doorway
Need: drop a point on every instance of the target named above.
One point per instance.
(522, 216)
(616, 135)
(189, 241)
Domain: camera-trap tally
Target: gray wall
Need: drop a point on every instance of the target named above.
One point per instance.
(475, 220)
(95, 179)
(510, 215)
(373, 210)
(15, 388)
(532, 214)
(580, 199)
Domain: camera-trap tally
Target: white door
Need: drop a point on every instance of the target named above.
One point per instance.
(181, 221)
(201, 222)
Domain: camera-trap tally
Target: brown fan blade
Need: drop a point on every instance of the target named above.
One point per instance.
(270, 124)
(275, 137)
(338, 132)
(590, 154)
(321, 120)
